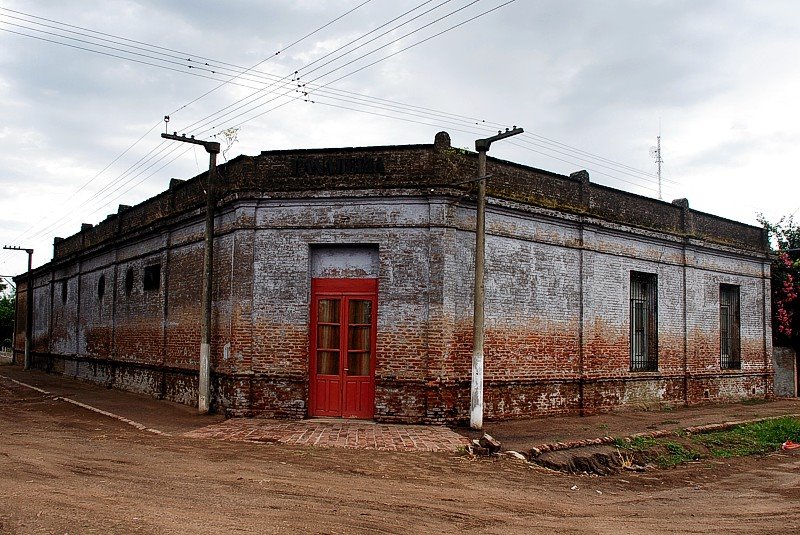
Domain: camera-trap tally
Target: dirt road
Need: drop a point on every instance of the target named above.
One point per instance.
(67, 470)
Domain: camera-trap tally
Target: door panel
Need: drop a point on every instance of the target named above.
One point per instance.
(343, 347)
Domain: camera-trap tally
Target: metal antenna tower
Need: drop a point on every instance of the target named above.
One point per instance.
(655, 152)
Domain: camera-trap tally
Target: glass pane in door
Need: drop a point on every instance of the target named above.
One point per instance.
(328, 336)
(327, 362)
(359, 338)
(359, 341)
(328, 311)
(358, 363)
(360, 312)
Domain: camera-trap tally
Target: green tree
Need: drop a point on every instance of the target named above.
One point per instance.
(785, 242)
(7, 305)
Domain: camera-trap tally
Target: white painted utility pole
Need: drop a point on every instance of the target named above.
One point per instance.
(29, 308)
(204, 386)
(476, 390)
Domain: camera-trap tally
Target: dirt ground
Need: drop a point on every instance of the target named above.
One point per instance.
(67, 470)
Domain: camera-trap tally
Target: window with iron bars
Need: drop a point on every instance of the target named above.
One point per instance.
(152, 277)
(729, 328)
(644, 322)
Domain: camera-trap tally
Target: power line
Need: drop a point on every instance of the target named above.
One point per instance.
(284, 49)
(422, 41)
(279, 105)
(210, 68)
(176, 58)
(85, 184)
(317, 89)
(396, 18)
(258, 94)
(95, 199)
(224, 82)
(473, 2)
(374, 62)
(474, 132)
(180, 55)
(355, 98)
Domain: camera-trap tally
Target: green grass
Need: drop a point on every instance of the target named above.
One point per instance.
(676, 454)
(749, 439)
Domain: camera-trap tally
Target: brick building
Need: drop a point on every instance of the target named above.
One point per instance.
(343, 287)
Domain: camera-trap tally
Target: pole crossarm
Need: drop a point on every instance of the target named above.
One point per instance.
(482, 145)
(15, 248)
(212, 147)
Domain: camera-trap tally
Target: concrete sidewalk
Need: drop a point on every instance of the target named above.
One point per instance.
(164, 416)
(518, 435)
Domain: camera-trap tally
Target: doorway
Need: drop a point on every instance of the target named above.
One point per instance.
(343, 327)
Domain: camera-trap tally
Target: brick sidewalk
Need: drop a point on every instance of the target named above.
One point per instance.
(336, 434)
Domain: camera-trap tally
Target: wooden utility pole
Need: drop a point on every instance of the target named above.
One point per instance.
(476, 390)
(204, 386)
(29, 307)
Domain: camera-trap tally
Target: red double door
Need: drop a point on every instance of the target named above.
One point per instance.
(343, 326)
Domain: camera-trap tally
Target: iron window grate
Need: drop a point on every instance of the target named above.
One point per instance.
(644, 322)
(729, 327)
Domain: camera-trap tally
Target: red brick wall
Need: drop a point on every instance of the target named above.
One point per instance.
(559, 256)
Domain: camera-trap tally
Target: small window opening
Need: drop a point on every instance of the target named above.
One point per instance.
(129, 281)
(152, 277)
(729, 327)
(644, 322)
(101, 286)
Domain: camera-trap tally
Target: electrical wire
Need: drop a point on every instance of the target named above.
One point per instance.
(117, 188)
(177, 54)
(364, 67)
(649, 176)
(284, 49)
(224, 82)
(282, 81)
(443, 117)
(212, 71)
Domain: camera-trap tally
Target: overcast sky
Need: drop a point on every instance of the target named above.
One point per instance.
(591, 82)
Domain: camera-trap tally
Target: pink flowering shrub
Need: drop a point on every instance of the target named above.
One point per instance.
(785, 281)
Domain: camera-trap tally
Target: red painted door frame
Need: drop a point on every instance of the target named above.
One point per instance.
(337, 344)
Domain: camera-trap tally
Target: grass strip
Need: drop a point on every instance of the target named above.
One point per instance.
(756, 438)
(751, 439)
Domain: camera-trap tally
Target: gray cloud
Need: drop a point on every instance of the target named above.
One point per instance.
(595, 75)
